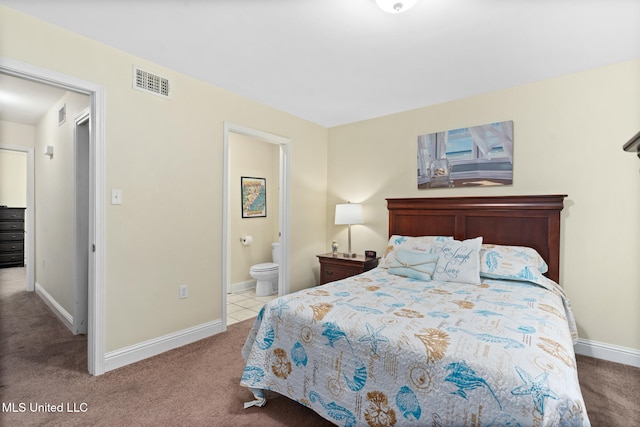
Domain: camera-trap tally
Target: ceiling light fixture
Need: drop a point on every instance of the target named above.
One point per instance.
(395, 6)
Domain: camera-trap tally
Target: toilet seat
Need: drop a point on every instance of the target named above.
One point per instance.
(266, 266)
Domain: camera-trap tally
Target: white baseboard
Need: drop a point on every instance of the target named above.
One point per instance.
(127, 355)
(56, 308)
(610, 352)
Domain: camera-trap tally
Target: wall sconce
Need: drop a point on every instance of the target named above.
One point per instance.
(395, 6)
(349, 213)
(48, 151)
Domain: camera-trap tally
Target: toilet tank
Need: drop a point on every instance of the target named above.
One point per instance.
(275, 252)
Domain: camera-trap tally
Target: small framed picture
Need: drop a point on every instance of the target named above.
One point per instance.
(254, 197)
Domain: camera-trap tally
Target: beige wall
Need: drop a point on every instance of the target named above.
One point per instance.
(13, 178)
(17, 134)
(252, 158)
(166, 156)
(14, 167)
(568, 137)
(13, 164)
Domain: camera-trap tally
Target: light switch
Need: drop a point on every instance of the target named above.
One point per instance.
(116, 197)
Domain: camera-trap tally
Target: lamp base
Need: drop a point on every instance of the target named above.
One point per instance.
(346, 255)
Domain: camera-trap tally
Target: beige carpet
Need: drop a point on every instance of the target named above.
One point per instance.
(42, 363)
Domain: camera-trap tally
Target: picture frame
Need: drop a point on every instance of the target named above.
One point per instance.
(475, 156)
(254, 197)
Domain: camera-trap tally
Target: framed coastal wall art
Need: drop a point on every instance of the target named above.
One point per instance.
(467, 157)
(254, 197)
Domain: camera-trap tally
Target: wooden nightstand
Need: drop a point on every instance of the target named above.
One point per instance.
(338, 267)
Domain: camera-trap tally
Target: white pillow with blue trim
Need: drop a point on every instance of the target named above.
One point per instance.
(417, 244)
(413, 264)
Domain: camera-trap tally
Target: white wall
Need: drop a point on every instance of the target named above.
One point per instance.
(568, 137)
(54, 195)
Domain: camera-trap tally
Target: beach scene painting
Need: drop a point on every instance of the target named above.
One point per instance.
(254, 197)
(466, 157)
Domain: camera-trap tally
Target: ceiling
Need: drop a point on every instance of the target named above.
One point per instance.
(339, 61)
(23, 101)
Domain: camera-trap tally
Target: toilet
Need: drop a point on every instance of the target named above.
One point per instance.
(266, 274)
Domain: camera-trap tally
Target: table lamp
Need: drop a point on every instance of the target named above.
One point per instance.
(349, 214)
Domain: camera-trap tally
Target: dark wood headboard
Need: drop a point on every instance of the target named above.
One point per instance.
(532, 221)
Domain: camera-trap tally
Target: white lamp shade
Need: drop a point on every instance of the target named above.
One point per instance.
(395, 6)
(349, 213)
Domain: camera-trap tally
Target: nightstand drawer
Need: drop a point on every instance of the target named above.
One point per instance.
(338, 267)
(331, 273)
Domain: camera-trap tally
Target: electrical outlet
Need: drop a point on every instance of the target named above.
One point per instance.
(184, 291)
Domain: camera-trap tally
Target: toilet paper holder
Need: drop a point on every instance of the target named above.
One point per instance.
(246, 240)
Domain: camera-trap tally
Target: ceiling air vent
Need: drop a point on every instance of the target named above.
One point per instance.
(149, 82)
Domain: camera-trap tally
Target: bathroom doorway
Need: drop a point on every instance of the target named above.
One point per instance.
(266, 155)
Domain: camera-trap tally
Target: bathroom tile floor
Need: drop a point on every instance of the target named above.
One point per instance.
(244, 305)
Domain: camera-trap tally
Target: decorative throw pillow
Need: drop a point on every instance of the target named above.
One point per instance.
(418, 244)
(459, 261)
(416, 265)
(492, 258)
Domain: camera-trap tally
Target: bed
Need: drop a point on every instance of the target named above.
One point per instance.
(462, 324)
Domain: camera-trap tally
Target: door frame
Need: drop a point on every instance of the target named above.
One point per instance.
(95, 333)
(284, 208)
(81, 243)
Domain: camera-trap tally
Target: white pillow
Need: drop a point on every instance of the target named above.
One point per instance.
(459, 261)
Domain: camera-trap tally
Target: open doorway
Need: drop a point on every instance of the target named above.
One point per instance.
(95, 255)
(231, 130)
(16, 207)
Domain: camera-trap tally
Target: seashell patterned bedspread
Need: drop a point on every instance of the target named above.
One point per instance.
(384, 350)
